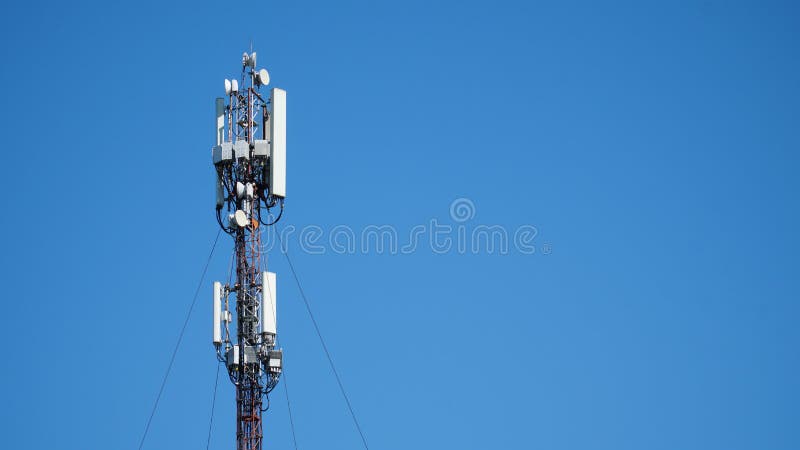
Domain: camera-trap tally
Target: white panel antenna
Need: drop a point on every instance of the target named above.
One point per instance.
(220, 110)
(269, 301)
(277, 131)
(217, 312)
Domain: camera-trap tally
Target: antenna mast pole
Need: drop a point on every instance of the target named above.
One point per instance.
(250, 178)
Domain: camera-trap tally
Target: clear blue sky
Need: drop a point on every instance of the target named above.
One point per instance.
(654, 146)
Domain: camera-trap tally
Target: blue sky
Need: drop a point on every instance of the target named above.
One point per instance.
(653, 146)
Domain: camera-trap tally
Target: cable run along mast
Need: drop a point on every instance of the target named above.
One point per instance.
(250, 162)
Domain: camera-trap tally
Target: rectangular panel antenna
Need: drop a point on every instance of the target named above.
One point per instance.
(217, 312)
(220, 106)
(269, 310)
(277, 132)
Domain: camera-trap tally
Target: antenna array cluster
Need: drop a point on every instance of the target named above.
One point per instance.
(250, 164)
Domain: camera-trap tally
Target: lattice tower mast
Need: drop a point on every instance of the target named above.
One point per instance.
(250, 163)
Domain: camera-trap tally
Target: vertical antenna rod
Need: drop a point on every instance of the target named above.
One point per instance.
(250, 178)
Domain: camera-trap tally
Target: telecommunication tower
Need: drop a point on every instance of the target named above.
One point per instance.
(250, 162)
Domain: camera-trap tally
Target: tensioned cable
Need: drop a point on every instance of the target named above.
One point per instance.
(288, 406)
(285, 252)
(180, 338)
(213, 403)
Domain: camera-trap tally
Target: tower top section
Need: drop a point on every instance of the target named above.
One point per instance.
(250, 148)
